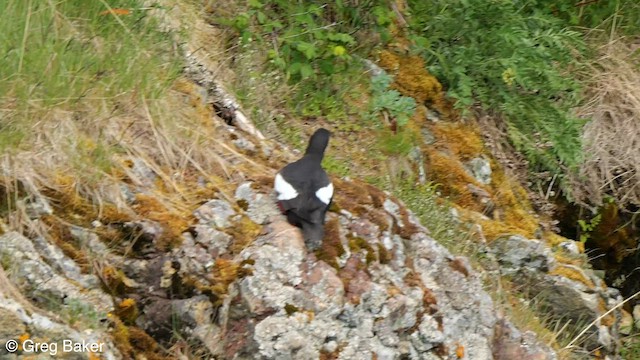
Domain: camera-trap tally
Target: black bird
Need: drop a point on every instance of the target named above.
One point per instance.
(305, 192)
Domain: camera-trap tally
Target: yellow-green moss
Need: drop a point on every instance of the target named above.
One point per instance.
(412, 79)
(291, 309)
(127, 311)
(357, 243)
(243, 233)
(173, 224)
(452, 176)
(225, 272)
(461, 139)
(61, 236)
(573, 274)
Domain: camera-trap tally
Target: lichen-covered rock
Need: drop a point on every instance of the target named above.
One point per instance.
(567, 292)
(391, 297)
(19, 324)
(511, 344)
(259, 207)
(215, 212)
(515, 253)
(29, 270)
(480, 169)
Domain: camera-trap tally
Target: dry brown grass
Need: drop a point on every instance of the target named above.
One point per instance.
(612, 137)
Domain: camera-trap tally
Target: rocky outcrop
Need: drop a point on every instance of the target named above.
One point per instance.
(383, 295)
(72, 298)
(571, 295)
(242, 285)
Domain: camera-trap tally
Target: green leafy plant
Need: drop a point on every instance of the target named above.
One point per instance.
(389, 103)
(587, 227)
(513, 59)
(312, 43)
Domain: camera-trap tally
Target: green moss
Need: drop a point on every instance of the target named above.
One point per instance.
(357, 243)
(243, 232)
(291, 309)
(243, 204)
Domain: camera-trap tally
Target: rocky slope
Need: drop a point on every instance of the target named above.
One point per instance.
(226, 277)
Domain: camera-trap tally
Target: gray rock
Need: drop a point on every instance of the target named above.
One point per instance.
(38, 207)
(480, 169)
(243, 144)
(510, 343)
(142, 173)
(516, 253)
(260, 207)
(636, 315)
(418, 159)
(191, 318)
(15, 321)
(573, 301)
(427, 136)
(428, 335)
(394, 210)
(30, 272)
(570, 247)
(216, 213)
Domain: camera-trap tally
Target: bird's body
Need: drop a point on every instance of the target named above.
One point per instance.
(304, 190)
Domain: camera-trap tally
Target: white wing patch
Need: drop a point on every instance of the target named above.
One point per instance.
(325, 194)
(284, 190)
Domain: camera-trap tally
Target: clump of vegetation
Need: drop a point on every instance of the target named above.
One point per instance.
(395, 109)
(65, 54)
(312, 43)
(513, 60)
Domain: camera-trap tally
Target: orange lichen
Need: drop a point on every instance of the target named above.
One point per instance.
(609, 319)
(566, 259)
(21, 339)
(573, 274)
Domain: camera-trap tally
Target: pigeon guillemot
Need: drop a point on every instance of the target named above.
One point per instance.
(305, 192)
